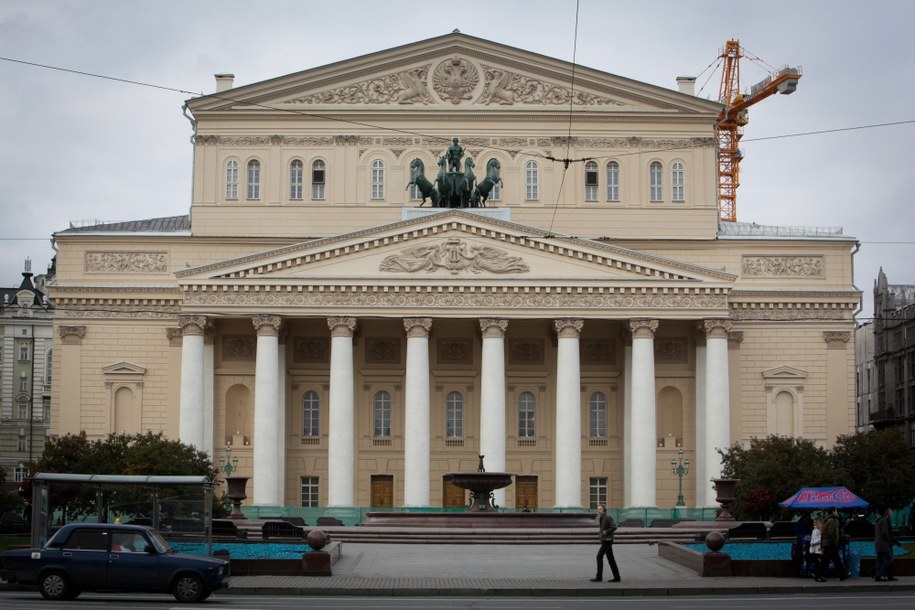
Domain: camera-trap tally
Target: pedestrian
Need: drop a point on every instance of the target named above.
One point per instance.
(814, 556)
(884, 541)
(803, 528)
(831, 540)
(607, 527)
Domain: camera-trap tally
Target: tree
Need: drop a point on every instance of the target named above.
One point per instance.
(878, 466)
(772, 469)
(8, 501)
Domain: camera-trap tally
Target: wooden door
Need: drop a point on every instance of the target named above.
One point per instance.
(452, 495)
(525, 492)
(382, 491)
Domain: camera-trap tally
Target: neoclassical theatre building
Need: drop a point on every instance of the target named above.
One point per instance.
(397, 263)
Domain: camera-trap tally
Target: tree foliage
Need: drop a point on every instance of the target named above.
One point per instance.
(878, 466)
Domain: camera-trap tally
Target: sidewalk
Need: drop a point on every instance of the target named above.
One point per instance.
(523, 570)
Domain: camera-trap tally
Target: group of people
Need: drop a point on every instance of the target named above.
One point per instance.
(820, 541)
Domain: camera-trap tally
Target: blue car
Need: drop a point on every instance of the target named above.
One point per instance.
(113, 557)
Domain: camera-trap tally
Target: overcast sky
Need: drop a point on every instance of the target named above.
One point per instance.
(75, 147)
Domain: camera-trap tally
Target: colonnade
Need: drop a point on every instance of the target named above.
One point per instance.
(639, 409)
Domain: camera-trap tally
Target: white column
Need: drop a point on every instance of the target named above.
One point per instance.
(209, 415)
(266, 411)
(627, 423)
(416, 413)
(717, 400)
(190, 419)
(281, 421)
(492, 399)
(698, 467)
(568, 415)
(340, 457)
(644, 417)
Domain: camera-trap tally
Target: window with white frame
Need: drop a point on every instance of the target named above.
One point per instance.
(526, 408)
(49, 359)
(232, 179)
(311, 414)
(296, 170)
(382, 409)
(24, 353)
(597, 491)
(613, 181)
(23, 410)
(495, 194)
(655, 176)
(454, 415)
(532, 181)
(23, 383)
(415, 193)
(318, 177)
(254, 179)
(591, 181)
(377, 179)
(310, 491)
(677, 182)
(20, 474)
(20, 443)
(597, 415)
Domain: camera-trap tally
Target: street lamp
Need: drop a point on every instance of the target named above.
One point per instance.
(680, 467)
(228, 464)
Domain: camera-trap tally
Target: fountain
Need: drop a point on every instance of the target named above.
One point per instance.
(481, 485)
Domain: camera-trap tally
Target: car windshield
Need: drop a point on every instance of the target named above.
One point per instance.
(161, 544)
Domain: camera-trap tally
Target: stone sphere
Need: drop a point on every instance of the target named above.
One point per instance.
(316, 539)
(714, 541)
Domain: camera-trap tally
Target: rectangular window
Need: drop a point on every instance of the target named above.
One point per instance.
(20, 444)
(317, 180)
(597, 491)
(23, 410)
(295, 180)
(415, 194)
(496, 193)
(591, 182)
(254, 180)
(23, 384)
(21, 473)
(24, 353)
(613, 181)
(309, 491)
(656, 193)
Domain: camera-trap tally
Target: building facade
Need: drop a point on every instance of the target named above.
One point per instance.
(26, 319)
(335, 313)
(894, 357)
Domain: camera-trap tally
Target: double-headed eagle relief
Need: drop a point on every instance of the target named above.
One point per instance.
(454, 186)
(455, 256)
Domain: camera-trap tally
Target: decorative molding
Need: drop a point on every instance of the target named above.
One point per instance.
(493, 328)
(417, 327)
(71, 335)
(311, 349)
(192, 325)
(382, 350)
(453, 255)
(599, 351)
(454, 351)
(836, 339)
(735, 337)
(716, 329)
(341, 327)
(267, 325)
(782, 266)
(407, 87)
(174, 336)
(525, 351)
(671, 350)
(239, 348)
(643, 329)
(506, 88)
(568, 328)
(126, 262)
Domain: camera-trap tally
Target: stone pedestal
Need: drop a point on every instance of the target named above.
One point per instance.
(316, 563)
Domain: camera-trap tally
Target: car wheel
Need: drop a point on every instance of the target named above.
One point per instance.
(55, 586)
(188, 588)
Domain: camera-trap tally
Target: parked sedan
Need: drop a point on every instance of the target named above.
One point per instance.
(113, 557)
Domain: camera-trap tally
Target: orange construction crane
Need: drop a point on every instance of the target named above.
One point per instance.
(734, 117)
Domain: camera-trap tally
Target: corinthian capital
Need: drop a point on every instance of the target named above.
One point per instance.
(192, 325)
(493, 327)
(341, 327)
(643, 329)
(716, 328)
(568, 329)
(417, 327)
(267, 326)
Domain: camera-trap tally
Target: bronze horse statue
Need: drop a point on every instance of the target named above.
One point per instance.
(419, 180)
(484, 187)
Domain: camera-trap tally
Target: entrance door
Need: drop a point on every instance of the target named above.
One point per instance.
(382, 491)
(525, 492)
(452, 495)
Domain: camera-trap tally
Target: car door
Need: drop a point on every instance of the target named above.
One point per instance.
(136, 569)
(85, 556)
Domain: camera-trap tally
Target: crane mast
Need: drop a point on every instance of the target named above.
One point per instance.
(734, 117)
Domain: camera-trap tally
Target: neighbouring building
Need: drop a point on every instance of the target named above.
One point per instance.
(894, 357)
(26, 317)
(577, 319)
(865, 377)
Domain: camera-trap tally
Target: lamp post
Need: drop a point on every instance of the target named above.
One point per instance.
(227, 463)
(680, 467)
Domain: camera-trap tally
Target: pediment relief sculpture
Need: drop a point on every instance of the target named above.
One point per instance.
(456, 256)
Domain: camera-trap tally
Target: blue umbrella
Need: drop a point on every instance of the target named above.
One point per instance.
(824, 497)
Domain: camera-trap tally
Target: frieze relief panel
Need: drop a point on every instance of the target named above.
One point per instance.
(599, 351)
(311, 349)
(454, 351)
(525, 351)
(670, 350)
(382, 350)
(126, 262)
(454, 255)
(782, 266)
(239, 348)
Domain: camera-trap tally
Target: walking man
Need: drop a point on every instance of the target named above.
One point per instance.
(832, 536)
(884, 541)
(607, 527)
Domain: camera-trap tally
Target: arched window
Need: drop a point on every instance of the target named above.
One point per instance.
(296, 169)
(377, 179)
(254, 179)
(597, 415)
(613, 181)
(531, 181)
(655, 175)
(677, 182)
(454, 415)
(496, 193)
(317, 180)
(232, 179)
(526, 407)
(311, 414)
(382, 409)
(590, 181)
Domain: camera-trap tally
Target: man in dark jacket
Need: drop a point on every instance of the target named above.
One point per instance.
(832, 539)
(884, 541)
(607, 527)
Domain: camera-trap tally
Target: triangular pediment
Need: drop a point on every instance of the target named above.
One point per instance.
(785, 373)
(449, 73)
(124, 368)
(454, 247)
